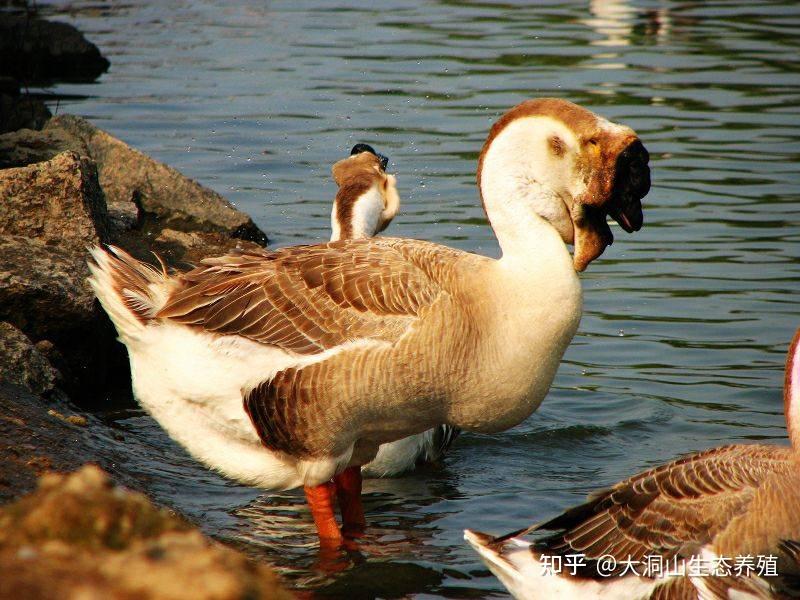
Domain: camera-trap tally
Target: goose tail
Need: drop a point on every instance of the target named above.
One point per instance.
(130, 291)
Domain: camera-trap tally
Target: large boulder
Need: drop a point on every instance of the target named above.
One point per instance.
(49, 213)
(35, 50)
(79, 535)
(43, 289)
(132, 180)
(58, 202)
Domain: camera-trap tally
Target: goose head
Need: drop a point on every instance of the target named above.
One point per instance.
(367, 199)
(570, 167)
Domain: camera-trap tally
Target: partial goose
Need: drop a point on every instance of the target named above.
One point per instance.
(291, 367)
(717, 504)
(367, 198)
(365, 204)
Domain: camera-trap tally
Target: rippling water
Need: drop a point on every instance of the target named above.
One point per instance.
(686, 323)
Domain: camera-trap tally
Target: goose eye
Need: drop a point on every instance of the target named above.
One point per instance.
(557, 145)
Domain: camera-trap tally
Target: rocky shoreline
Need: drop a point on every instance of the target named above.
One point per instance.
(66, 185)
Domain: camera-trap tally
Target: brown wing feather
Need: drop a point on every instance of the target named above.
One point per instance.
(675, 589)
(669, 510)
(307, 299)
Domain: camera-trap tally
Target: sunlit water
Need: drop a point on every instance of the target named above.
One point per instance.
(686, 323)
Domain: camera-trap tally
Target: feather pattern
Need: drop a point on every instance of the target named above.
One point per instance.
(308, 299)
(670, 510)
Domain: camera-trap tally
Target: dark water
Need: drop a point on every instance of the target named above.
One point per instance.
(686, 324)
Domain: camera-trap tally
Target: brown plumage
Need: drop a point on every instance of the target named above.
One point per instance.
(307, 299)
(311, 299)
(674, 509)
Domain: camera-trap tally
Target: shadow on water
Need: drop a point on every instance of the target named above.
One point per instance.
(686, 323)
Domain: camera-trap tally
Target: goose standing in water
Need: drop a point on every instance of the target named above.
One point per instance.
(710, 506)
(365, 204)
(291, 367)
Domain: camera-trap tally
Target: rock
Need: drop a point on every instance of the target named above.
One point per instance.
(43, 290)
(78, 535)
(50, 212)
(177, 247)
(36, 50)
(124, 216)
(127, 175)
(133, 182)
(58, 202)
(21, 362)
(79, 420)
(26, 147)
(32, 442)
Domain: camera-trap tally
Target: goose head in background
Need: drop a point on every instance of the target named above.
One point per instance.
(367, 199)
(570, 167)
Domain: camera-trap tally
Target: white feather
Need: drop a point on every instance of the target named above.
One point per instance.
(526, 578)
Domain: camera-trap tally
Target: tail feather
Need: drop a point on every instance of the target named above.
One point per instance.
(130, 291)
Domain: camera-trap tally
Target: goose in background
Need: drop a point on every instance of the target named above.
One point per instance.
(711, 506)
(291, 367)
(365, 204)
(367, 198)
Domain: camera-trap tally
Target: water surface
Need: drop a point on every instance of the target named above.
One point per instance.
(686, 323)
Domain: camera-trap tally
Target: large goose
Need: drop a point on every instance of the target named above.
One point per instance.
(694, 513)
(291, 367)
(365, 204)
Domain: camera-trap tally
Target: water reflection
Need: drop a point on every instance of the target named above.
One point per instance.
(278, 528)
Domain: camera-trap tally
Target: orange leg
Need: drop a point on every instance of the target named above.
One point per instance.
(348, 489)
(320, 500)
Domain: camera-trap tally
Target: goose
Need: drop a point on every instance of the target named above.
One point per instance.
(702, 509)
(290, 367)
(367, 198)
(365, 204)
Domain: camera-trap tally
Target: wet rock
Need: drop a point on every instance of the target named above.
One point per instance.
(27, 147)
(49, 213)
(22, 363)
(36, 50)
(127, 175)
(181, 247)
(58, 202)
(42, 291)
(33, 442)
(132, 181)
(78, 534)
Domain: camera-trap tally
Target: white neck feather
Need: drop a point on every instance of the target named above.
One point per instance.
(524, 190)
(365, 219)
